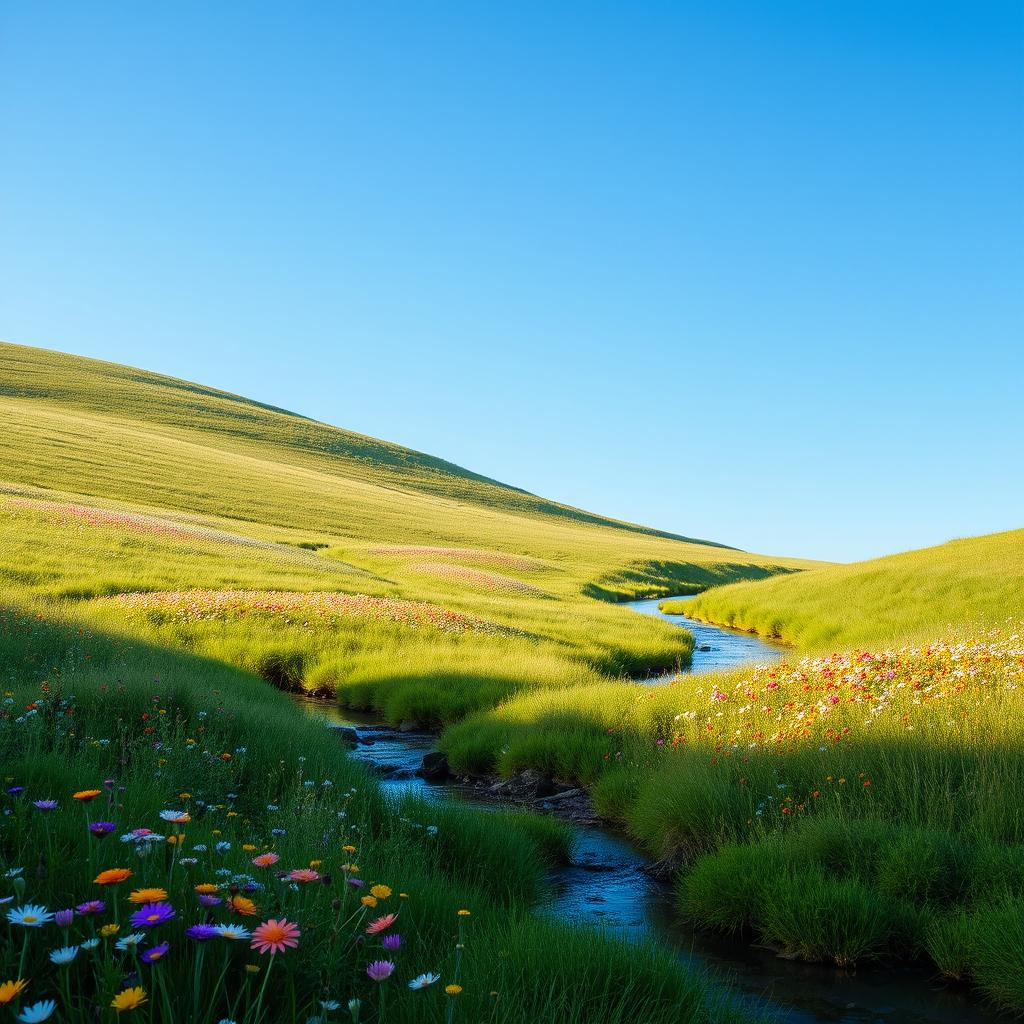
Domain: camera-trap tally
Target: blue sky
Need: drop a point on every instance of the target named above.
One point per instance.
(745, 271)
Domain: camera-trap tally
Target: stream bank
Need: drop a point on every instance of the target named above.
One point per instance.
(608, 882)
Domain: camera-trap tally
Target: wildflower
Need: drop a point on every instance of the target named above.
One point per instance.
(148, 895)
(91, 907)
(380, 924)
(453, 990)
(242, 905)
(112, 876)
(202, 932)
(233, 931)
(206, 900)
(45, 805)
(129, 999)
(424, 980)
(266, 860)
(63, 956)
(85, 795)
(275, 936)
(129, 942)
(368, 901)
(380, 970)
(109, 929)
(464, 913)
(102, 828)
(205, 887)
(382, 892)
(11, 990)
(155, 953)
(90, 943)
(304, 875)
(330, 1005)
(392, 942)
(37, 1012)
(176, 817)
(152, 914)
(349, 848)
(63, 918)
(30, 916)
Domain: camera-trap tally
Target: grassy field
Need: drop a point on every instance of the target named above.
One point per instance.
(161, 540)
(166, 551)
(912, 596)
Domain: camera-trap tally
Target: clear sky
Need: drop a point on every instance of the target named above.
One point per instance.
(747, 271)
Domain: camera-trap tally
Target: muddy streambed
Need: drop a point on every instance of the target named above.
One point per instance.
(605, 884)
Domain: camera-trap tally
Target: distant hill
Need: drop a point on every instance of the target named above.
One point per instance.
(912, 595)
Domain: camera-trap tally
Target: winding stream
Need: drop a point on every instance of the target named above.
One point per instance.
(605, 886)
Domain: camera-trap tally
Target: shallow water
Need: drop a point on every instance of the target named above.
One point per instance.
(714, 647)
(605, 886)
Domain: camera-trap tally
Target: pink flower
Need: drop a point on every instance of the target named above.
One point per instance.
(380, 925)
(380, 970)
(275, 936)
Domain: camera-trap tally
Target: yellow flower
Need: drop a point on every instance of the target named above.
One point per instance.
(184, 796)
(206, 888)
(349, 848)
(351, 868)
(453, 990)
(109, 929)
(315, 863)
(253, 968)
(232, 814)
(382, 892)
(129, 998)
(464, 913)
(248, 847)
(12, 989)
(369, 901)
(403, 895)
(175, 839)
(148, 895)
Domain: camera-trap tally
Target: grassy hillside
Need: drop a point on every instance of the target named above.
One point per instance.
(910, 596)
(167, 550)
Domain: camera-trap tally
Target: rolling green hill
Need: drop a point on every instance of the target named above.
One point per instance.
(910, 596)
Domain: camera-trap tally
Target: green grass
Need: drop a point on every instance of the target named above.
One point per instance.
(912, 596)
(165, 551)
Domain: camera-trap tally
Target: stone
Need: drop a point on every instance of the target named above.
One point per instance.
(408, 726)
(434, 767)
(347, 735)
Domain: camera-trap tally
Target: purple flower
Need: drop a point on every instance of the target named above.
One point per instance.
(356, 883)
(102, 828)
(15, 790)
(45, 805)
(156, 953)
(202, 932)
(380, 970)
(207, 899)
(92, 907)
(391, 942)
(63, 918)
(152, 914)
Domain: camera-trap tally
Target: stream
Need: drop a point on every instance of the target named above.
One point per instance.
(605, 886)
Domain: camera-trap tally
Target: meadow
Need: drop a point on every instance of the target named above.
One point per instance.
(172, 557)
(175, 831)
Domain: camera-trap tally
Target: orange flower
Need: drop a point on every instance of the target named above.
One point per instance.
(265, 860)
(242, 905)
(112, 876)
(148, 895)
(11, 990)
(206, 888)
(85, 795)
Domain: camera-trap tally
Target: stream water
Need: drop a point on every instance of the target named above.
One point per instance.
(604, 885)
